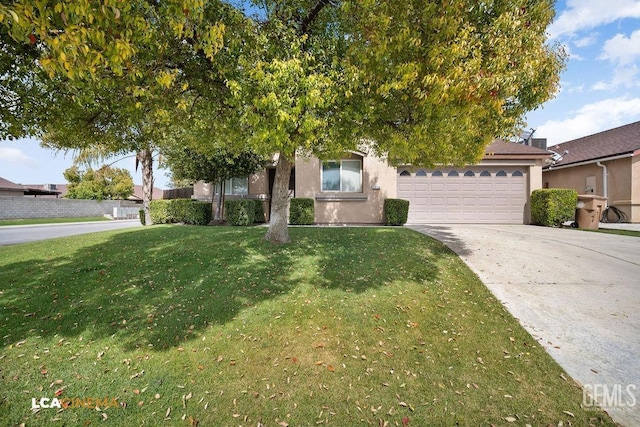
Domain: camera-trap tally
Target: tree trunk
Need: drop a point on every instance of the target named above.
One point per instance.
(278, 231)
(145, 158)
(221, 200)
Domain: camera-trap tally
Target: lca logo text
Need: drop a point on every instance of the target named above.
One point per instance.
(609, 395)
(65, 403)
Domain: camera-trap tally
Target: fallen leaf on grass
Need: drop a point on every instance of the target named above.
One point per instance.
(510, 419)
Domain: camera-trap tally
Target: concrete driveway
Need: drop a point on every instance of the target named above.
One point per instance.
(576, 292)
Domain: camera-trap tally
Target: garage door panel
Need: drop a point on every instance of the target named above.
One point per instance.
(465, 199)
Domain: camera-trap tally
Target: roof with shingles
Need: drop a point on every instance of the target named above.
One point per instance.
(8, 185)
(609, 143)
(506, 148)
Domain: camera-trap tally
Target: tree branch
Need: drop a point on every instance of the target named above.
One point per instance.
(313, 14)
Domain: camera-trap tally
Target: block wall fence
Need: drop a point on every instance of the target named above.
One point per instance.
(34, 207)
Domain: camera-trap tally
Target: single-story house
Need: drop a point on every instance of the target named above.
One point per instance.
(604, 164)
(352, 189)
(60, 190)
(10, 189)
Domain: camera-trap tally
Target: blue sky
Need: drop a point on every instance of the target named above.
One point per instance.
(600, 89)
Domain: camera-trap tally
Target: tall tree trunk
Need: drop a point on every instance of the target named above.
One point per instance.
(145, 158)
(278, 231)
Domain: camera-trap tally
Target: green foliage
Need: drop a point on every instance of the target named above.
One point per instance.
(177, 209)
(240, 212)
(395, 211)
(186, 211)
(259, 217)
(301, 211)
(142, 217)
(159, 211)
(210, 164)
(106, 183)
(198, 213)
(553, 206)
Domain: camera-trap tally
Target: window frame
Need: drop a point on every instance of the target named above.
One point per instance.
(228, 186)
(341, 181)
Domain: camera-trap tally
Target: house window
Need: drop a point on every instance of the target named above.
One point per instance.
(453, 173)
(517, 173)
(405, 173)
(469, 173)
(501, 173)
(485, 173)
(235, 187)
(421, 173)
(344, 175)
(436, 173)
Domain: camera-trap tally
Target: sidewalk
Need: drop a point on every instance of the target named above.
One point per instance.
(620, 226)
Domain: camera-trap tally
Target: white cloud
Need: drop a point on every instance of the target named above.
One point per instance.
(622, 77)
(586, 41)
(16, 157)
(590, 119)
(622, 50)
(586, 14)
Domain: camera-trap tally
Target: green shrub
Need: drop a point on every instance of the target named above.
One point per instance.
(180, 210)
(142, 217)
(259, 211)
(177, 210)
(159, 211)
(240, 212)
(553, 206)
(396, 211)
(198, 213)
(301, 212)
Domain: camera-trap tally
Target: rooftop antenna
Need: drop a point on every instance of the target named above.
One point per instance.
(527, 136)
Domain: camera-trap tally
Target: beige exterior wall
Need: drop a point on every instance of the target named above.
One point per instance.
(378, 183)
(623, 182)
(11, 193)
(634, 206)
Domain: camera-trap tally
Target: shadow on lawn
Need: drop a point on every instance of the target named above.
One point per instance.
(160, 286)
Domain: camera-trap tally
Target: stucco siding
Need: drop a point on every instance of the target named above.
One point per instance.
(623, 182)
(378, 183)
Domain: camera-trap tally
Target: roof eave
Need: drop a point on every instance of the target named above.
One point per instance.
(592, 161)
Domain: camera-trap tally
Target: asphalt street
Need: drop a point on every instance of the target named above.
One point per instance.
(11, 235)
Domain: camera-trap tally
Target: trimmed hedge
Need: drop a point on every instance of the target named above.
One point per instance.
(180, 210)
(240, 212)
(301, 211)
(198, 213)
(159, 211)
(259, 211)
(396, 211)
(142, 217)
(553, 206)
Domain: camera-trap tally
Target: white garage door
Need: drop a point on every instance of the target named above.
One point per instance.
(464, 195)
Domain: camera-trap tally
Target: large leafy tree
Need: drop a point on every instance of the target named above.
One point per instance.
(115, 71)
(423, 82)
(105, 183)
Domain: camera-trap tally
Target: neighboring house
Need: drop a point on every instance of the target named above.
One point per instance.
(604, 164)
(156, 193)
(353, 189)
(60, 190)
(8, 188)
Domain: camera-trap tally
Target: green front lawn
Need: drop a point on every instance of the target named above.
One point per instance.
(50, 220)
(212, 326)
